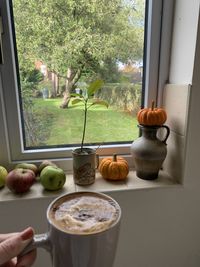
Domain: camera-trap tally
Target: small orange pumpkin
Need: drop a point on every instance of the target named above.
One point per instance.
(152, 116)
(115, 168)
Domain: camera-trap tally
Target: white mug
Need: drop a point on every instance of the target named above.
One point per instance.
(79, 250)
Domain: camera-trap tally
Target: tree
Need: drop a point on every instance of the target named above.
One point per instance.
(78, 37)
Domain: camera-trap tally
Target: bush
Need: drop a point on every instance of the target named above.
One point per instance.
(123, 96)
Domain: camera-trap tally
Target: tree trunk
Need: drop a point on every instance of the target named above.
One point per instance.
(72, 77)
(58, 85)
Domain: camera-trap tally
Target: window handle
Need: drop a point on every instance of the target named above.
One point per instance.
(1, 46)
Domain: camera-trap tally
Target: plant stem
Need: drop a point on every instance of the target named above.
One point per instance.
(84, 125)
(115, 157)
(152, 105)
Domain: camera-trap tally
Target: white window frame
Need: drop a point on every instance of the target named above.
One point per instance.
(158, 42)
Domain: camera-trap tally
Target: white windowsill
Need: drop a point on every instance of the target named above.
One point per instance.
(131, 183)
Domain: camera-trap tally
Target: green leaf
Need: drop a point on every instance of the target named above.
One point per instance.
(76, 100)
(99, 102)
(94, 86)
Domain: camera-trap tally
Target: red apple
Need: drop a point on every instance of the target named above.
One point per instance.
(20, 180)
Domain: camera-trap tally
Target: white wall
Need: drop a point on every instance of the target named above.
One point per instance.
(184, 40)
(160, 227)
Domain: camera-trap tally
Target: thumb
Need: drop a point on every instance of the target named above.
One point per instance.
(13, 246)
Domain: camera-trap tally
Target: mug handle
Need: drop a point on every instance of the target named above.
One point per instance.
(41, 240)
(167, 133)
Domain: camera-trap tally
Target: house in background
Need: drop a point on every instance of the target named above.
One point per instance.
(52, 79)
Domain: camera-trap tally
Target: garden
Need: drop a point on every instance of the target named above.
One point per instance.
(55, 126)
(75, 45)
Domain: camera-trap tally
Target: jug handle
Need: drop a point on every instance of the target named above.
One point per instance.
(41, 240)
(167, 134)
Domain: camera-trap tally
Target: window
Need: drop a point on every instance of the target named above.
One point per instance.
(48, 66)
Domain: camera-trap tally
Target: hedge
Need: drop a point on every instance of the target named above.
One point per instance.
(125, 96)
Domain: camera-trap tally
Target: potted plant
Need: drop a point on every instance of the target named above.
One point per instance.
(85, 159)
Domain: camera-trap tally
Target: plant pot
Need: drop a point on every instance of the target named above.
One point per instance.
(149, 152)
(85, 163)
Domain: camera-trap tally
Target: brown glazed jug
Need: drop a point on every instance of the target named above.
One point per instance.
(149, 152)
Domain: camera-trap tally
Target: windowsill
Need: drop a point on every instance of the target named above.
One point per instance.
(131, 183)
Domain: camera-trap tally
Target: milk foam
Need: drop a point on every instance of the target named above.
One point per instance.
(85, 215)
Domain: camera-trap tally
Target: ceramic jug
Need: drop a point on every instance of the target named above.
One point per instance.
(149, 152)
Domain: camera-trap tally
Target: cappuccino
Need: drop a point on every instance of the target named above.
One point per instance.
(84, 213)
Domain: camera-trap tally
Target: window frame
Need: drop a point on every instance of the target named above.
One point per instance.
(157, 48)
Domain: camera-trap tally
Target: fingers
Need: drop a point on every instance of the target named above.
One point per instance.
(27, 234)
(11, 263)
(12, 246)
(6, 236)
(27, 260)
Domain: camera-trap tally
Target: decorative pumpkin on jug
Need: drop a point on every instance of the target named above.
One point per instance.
(152, 116)
(149, 151)
(114, 169)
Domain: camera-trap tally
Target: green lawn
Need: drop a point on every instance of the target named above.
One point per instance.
(64, 126)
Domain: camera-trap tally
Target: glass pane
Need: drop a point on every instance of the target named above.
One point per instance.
(62, 47)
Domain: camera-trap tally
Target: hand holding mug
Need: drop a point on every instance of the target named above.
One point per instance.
(12, 244)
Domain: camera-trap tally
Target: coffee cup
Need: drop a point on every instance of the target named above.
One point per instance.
(83, 230)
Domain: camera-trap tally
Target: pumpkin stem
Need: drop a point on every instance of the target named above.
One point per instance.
(115, 157)
(152, 105)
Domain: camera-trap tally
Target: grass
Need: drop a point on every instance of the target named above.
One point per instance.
(65, 125)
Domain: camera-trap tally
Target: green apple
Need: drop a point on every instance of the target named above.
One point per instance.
(52, 178)
(44, 164)
(3, 174)
(28, 166)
